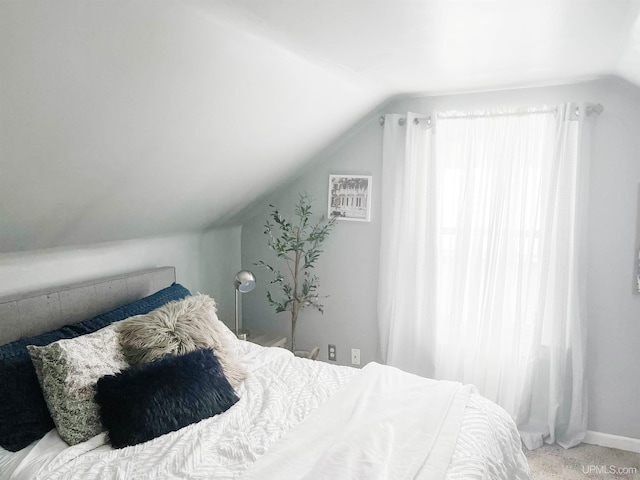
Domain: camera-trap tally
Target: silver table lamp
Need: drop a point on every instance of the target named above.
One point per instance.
(244, 281)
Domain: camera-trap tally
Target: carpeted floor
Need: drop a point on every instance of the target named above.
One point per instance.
(552, 462)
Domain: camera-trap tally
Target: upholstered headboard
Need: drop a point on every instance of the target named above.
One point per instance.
(38, 312)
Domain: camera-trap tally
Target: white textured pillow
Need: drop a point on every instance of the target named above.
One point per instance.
(68, 371)
(180, 327)
(230, 339)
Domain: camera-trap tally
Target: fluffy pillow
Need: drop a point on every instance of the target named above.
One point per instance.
(180, 327)
(24, 417)
(149, 400)
(68, 371)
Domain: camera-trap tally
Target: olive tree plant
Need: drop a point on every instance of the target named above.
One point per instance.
(297, 244)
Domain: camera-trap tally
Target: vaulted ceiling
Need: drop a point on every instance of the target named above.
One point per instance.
(130, 118)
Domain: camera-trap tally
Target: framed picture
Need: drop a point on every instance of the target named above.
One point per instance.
(350, 197)
(638, 273)
(636, 263)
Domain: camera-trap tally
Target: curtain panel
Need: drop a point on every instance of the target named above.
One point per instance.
(482, 259)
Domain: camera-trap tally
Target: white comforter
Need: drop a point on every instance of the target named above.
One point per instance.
(384, 424)
(263, 436)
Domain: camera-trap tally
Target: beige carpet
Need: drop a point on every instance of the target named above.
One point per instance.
(552, 462)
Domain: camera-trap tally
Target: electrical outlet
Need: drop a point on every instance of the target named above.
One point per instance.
(332, 352)
(355, 356)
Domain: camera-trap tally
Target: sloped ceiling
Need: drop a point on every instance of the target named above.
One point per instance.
(130, 118)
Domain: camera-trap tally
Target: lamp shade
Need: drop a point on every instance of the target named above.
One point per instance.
(244, 281)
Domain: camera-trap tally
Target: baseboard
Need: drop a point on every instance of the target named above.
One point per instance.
(613, 441)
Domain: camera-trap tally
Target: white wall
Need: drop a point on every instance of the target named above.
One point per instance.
(204, 263)
(128, 119)
(34, 270)
(349, 268)
(219, 262)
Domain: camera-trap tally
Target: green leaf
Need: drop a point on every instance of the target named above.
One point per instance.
(296, 244)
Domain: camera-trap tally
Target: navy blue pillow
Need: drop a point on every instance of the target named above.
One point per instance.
(146, 401)
(24, 417)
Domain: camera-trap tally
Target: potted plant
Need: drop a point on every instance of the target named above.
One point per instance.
(297, 244)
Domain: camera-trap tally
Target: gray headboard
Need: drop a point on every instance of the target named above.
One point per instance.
(38, 312)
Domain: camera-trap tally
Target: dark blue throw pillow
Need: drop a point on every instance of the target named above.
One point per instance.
(146, 401)
(24, 417)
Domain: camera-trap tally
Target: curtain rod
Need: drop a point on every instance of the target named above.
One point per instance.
(590, 109)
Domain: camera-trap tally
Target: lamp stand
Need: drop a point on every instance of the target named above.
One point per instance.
(237, 313)
(244, 282)
(241, 333)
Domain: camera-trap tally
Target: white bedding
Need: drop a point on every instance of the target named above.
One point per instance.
(476, 439)
(385, 423)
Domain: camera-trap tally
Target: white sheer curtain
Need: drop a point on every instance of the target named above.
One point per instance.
(482, 259)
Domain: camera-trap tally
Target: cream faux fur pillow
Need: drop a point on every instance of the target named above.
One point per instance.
(179, 327)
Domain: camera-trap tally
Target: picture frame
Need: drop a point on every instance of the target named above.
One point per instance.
(637, 289)
(636, 260)
(349, 197)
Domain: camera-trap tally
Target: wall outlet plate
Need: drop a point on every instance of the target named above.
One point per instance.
(332, 352)
(355, 356)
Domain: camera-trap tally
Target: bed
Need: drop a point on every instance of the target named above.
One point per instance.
(291, 417)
